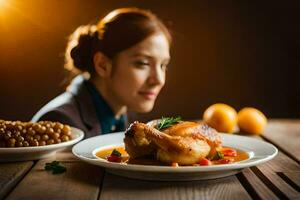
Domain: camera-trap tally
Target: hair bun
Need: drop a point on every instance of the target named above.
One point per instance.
(82, 53)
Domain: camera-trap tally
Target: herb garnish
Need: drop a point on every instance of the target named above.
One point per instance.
(55, 167)
(115, 156)
(166, 122)
(115, 152)
(218, 155)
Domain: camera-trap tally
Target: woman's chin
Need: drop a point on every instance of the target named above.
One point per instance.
(143, 108)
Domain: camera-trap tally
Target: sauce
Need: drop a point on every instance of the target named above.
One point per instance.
(150, 160)
(106, 152)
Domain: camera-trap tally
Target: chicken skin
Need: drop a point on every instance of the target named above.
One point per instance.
(184, 143)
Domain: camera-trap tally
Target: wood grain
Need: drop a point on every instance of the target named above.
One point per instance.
(265, 181)
(116, 187)
(11, 174)
(286, 135)
(268, 173)
(293, 178)
(65, 154)
(257, 187)
(281, 163)
(81, 181)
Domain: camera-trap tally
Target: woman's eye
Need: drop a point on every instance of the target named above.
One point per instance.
(141, 64)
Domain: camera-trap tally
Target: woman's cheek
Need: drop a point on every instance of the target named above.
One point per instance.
(139, 78)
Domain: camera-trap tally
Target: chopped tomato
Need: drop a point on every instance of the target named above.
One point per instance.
(226, 161)
(229, 152)
(114, 158)
(204, 161)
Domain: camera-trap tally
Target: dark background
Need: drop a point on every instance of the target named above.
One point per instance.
(240, 53)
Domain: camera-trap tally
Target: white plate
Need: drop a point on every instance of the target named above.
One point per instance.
(39, 152)
(258, 151)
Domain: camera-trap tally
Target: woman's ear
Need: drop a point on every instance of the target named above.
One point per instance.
(102, 64)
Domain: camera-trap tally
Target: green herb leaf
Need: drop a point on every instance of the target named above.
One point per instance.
(58, 169)
(55, 167)
(166, 122)
(48, 168)
(218, 155)
(115, 152)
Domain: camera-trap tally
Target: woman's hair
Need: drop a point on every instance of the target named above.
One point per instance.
(119, 30)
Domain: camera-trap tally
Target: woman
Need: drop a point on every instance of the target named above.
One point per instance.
(121, 63)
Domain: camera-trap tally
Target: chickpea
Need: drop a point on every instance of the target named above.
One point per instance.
(25, 144)
(34, 143)
(9, 125)
(31, 131)
(29, 124)
(66, 129)
(2, 126)
(50, 141)
(68, 134)
(24, 131)
(28, 138)
(65, 138)
(49, 131)
(42, 129)
(55, 135)
(45, 137)
(36, 127)
(17, 133)
(37, 137)
(59, 126)
(19, 144)
(58, 131)
(57, 140)
(52, 124)
(11, 142)
(20, 139)
(42, 143)
(7, 135)
(19, 127)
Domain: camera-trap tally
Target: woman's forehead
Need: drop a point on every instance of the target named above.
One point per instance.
(156, 46)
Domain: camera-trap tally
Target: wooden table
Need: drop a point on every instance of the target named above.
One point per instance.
(276, 179)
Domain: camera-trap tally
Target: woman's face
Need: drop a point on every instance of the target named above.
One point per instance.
(138, 73)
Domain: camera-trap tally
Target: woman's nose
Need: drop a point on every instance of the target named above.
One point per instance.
(157, 76)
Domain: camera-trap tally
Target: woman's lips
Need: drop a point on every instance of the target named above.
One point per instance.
(149, 95)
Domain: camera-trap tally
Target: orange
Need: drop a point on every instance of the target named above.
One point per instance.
(222, 117)
(251, 120)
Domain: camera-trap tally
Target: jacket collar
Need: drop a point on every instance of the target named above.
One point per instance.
(85, 103)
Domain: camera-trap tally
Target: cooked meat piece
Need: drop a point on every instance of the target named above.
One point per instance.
(185, 143)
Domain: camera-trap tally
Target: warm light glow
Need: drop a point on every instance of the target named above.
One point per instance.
(3, 3)
(12, 10)
(3, 6)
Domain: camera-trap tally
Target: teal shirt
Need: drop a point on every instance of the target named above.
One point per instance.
(104, 113)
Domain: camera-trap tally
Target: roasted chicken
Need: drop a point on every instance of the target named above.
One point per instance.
(184, 143)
